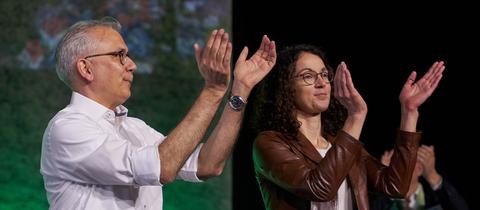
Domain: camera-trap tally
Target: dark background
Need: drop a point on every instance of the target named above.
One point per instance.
(381, 44)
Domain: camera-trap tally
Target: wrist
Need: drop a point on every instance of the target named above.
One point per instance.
(434, 179)
(408, 120)
(214, 95)
(239, 89)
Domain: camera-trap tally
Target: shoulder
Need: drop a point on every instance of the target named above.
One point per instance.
(68, 119)
(266, 137)
(136, 121)
(272, 141)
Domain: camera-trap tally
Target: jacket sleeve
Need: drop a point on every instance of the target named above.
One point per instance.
(394, 180)
(448, 196)
(277, 161)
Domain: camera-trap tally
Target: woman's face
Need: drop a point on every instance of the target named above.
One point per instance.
(312, 88)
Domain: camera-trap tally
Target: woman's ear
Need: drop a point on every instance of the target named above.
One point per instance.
(84, 70)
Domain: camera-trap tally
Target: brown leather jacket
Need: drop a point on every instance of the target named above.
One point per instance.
(291, 172)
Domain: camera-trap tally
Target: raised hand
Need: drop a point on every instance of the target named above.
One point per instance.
(413, 93)
(346, 94)
(426, 157)
(214, 61)
(349, 97)
(387, 157)
(249, 72)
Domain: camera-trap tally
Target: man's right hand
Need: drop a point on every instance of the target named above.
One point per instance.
(214, 61)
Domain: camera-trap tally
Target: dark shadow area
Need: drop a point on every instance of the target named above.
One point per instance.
(381, 44)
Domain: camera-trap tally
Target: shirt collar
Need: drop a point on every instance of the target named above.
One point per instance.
(93, 109)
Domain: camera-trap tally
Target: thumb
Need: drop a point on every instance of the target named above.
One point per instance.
(411, 79)
(243, 55)
(198, 52)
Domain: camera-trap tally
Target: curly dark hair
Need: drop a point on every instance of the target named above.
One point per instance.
(274, 107)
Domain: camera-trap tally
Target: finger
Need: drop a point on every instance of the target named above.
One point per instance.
(272, 53)
(208, 46)
(430, 71)
(266, 46)
(423, 149)
(198, 52)
(243, 55)
(349, 82)
(223, 48)
(216, 43)
(228, 56)
(434, 70)
(336, 81)
(429, 151)
(411, 79)
(421, 160)
(422, 155)
(390, 152)
(437, 78)
(343, 80)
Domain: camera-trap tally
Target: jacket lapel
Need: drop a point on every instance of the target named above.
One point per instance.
(304, 146)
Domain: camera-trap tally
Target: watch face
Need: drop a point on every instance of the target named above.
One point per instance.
(236, 102)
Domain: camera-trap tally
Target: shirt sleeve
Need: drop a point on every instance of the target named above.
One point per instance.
(188, 172)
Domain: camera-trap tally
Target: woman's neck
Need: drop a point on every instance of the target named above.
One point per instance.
(311, 127)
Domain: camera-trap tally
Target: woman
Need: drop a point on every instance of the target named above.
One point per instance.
(307, 155)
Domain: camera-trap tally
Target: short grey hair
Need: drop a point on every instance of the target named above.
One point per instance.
(77, 43)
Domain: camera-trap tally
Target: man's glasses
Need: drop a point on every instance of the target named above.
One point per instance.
(122, 56)
(310, 77)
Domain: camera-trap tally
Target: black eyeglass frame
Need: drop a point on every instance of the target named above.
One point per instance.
(121, 54)
(315, 75)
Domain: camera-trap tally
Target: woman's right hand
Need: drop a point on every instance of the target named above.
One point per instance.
(346, 94)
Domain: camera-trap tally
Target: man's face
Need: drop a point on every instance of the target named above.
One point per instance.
(112, 78)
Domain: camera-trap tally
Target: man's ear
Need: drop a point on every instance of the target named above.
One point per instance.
(84, 70)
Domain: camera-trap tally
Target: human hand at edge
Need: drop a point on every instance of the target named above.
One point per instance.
(214, 61)
(386, 157)
(346, 94)
(426, 157)
(413, 93)
(248, 72)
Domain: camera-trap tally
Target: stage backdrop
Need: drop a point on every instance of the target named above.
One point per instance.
(160, 35)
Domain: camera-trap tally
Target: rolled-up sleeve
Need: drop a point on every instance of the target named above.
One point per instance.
(146, 165)
(189, 170)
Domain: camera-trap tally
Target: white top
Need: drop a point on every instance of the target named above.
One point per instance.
(344, 196)
(94, 158)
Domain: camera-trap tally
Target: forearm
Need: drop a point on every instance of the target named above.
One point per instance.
(354, 124)
(183, 139)
(396, 178)
(408, 120)
(216, 150)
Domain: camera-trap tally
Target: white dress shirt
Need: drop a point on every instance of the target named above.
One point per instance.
(95, 158)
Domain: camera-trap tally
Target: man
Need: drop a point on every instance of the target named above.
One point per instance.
(428, 190)
(96, 157)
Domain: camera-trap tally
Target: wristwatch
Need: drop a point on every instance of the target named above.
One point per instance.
(236, 103)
